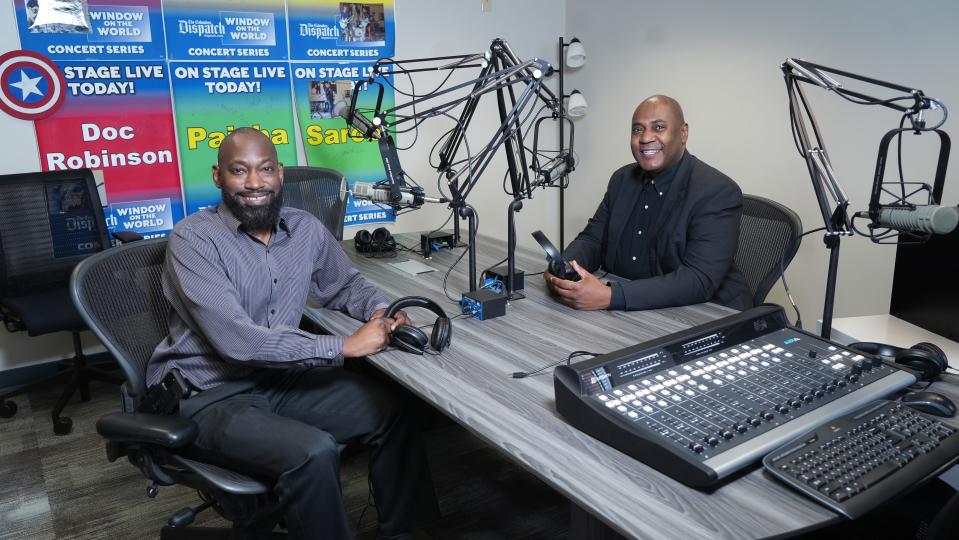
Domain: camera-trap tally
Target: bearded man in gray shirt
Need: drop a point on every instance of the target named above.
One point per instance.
(271, 399)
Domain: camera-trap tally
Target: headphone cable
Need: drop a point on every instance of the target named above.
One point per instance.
(574, 354)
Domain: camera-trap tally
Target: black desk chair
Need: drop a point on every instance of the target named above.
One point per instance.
(319, 191)
(49, 221)
(120, 296)
(769, 236)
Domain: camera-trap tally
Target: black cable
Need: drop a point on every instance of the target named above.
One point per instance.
(574, 354)
(446, 277)
(458, 259)
(782, 275)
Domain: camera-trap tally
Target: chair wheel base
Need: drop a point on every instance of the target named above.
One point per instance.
(8, 409)
(62, 425)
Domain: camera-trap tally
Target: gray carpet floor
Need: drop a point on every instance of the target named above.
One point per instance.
(55, 487)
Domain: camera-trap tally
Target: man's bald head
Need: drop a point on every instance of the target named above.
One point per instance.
(240, 137)
(659, 133)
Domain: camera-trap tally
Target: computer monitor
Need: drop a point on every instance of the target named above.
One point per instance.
(925, 288)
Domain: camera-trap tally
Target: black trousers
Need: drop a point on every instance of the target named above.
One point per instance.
(287, 427)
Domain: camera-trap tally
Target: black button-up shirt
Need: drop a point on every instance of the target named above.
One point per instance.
(633, 261)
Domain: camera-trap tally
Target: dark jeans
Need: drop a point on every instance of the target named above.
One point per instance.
(287, 427)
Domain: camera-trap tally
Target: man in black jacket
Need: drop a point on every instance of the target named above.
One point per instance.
(668, 225)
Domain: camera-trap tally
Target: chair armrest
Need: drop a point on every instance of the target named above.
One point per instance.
(164, 430)
(125, 237)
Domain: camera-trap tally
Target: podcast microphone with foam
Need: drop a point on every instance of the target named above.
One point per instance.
(930, 219)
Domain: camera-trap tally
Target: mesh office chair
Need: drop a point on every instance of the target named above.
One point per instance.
(319, 191)
(49, 221)
(120, 296)
(769, 236)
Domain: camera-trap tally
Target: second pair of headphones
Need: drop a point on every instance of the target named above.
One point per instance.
(926, 358)
(413, 340)
(379, 243)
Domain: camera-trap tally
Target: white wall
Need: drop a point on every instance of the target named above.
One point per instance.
(423, 29)
(532, 29)
(721, 61)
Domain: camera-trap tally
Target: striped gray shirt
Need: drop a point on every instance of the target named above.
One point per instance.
(236, 304)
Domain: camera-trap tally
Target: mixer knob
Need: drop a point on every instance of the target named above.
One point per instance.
(807, 397)
(856, 368)
(711, 441)
(795, 403)
(852, 377)
(767, 416)
(812, 354)
(818, 393)
(696, 447)
(782, 409)
(830, 387)
(755, 421)
(726, 434)
(741, 428)
(841, 383)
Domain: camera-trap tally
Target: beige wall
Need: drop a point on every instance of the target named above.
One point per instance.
(721, 61)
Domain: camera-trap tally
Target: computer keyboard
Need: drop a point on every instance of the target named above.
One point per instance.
(863, 459)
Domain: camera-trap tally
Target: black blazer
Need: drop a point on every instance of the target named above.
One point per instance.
(694, 239)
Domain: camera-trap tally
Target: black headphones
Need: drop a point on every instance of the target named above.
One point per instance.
(379, 243)
(413, 340)
(926, 358)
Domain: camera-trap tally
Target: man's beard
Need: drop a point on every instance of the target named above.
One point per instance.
(255, 218)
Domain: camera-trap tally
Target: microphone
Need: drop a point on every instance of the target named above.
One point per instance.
(409, 196)
(929, 219)
(555, 169)
(356, 119)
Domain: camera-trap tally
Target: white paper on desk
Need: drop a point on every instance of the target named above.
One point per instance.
(411, 267)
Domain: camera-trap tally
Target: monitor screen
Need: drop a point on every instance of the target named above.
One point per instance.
(925, 288)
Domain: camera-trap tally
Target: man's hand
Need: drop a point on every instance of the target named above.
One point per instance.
(587, 293)
(398, 319)
(372, 337)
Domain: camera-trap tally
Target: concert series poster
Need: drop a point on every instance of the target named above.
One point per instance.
(214, 98)
(103, 30)
(226, 30)
(330, 30)
(322, 92)
(116, 119)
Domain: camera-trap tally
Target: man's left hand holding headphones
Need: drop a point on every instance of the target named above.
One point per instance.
(374, 336)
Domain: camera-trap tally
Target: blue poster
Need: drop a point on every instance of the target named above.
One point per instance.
(109, 30)
(332, 30)
(210, 30)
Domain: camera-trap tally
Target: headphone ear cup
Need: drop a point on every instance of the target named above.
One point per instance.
(937, 353)
(362, 241)
(921, 360)
(442, 334)
(409, 338)
(381, 236)
(877, 349)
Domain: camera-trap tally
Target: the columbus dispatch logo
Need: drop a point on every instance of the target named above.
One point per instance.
(31, 85)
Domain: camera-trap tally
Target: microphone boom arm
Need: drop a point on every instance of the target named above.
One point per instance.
(831, 197)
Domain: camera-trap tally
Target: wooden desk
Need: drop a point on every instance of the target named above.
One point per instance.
(471, 383)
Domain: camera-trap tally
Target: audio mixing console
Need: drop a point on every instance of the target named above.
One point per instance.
(701, 404)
